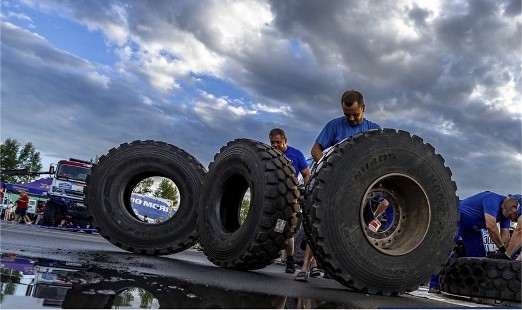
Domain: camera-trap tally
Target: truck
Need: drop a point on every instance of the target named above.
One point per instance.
(65, 203)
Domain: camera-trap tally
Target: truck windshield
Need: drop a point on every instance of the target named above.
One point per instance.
(73, 172)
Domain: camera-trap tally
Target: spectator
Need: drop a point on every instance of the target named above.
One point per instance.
(279, 141)
(40, 212)
(336, 130)
(482, 211)
(9, 212)
(383, 207)
(21, 207)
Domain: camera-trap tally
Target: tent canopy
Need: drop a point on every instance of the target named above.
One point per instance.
(36, 188)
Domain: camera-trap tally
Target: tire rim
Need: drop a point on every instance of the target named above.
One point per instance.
(411, 214)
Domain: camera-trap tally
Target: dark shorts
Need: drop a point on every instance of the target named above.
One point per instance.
(21, 211)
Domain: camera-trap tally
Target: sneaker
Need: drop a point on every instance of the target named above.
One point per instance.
(290, 267)
(301, 276)
(315, 272)
(434, 290)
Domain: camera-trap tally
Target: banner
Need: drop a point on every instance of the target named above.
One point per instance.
(152, 207)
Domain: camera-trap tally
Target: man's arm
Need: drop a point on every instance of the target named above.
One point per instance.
(382, 206)
(494, 234)
(306, 175)
(516, 238)
(317, 151)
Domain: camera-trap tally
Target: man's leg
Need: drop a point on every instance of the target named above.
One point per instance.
(302, 275)
(289, 250)
(474, 244)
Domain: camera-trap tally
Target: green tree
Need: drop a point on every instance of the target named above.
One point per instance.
(13, 157)
(144, 187)
(245, 206)
(146, 299)
(95, 160)
(168, 190)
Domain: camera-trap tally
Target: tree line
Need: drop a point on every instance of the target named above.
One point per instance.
(15, 156)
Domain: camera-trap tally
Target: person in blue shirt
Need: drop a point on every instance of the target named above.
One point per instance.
(483, 211)
(352, 122)
(279, 141)
(383, 207)
(338, 129)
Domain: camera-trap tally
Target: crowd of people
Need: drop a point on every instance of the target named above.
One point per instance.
(481, 211)
(18, 211)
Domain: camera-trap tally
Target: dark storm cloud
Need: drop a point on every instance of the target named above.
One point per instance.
(450, 76)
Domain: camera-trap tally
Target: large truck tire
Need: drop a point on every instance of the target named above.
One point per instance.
(483, 278)
(416, 183)
(53, 214)
(241, 165)
(108, 197)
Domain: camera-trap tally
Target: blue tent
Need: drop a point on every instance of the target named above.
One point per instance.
(36, 188)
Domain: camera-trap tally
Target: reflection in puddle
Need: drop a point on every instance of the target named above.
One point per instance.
(33, 283)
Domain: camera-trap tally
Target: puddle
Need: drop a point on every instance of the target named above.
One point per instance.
(36, 283)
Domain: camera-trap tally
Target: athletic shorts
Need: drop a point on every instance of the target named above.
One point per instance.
(21, 211)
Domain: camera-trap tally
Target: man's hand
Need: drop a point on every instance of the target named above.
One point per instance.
(499, 255)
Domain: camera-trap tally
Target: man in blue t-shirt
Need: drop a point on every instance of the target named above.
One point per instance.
(483, 211)
(338, 129)
(278, 141)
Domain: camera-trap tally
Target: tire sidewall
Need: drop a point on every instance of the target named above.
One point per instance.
(348, 180)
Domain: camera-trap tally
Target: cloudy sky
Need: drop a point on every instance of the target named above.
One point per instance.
(81, 77)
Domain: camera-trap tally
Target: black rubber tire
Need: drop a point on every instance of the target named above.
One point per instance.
(109, 188)
(416, 183)
(53, 214)
(254, 244)
(483, 278)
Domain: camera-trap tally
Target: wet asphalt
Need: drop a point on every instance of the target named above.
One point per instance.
(213, 284)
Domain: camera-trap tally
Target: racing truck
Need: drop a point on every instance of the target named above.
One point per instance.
(65, 203)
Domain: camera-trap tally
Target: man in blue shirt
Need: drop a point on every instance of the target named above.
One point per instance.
(278, 141)
(483, 211)
(338, 129)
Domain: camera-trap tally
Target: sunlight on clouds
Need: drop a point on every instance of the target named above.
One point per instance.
(285, 110)
(508, 98)
(400, 25)
(99, 79)
(146, 100)
(238, 24)
(19, 16)
(161, 72)
(165, 61)
(448, 128)
(210, 108)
